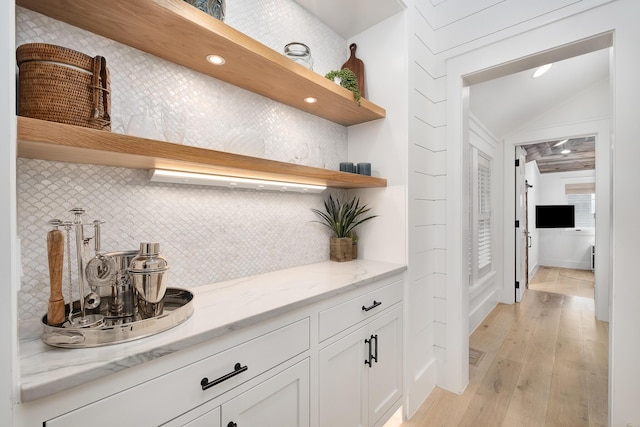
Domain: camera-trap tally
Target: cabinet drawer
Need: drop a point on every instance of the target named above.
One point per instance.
(163, 398)
(346, 314)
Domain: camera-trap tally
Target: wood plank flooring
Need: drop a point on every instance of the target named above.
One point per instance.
(545, 363)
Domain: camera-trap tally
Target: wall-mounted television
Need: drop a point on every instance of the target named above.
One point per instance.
(555, 216)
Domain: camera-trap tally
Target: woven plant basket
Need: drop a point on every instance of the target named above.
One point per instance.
(62, 85)
(340, 249)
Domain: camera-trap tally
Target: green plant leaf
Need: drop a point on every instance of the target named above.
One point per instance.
(348, 80)
(342, 217)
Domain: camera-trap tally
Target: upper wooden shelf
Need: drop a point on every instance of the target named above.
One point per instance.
(39, 139)
(180, 33)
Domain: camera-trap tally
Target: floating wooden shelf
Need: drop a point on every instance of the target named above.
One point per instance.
(39, 139)
(180, 33)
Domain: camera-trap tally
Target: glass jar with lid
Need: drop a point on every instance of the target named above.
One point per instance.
(299, 53)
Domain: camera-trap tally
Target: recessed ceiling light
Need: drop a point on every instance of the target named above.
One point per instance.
(310, 100)
(541, 70)
(565, 151)
(216, 59)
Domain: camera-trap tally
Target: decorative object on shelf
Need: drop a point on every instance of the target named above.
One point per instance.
(62, 85)
(357, 66)
(245, 141)
(215, 8)
(347, 167)
(300, 53)
(364, 169)
(342, 218)
(347, 80)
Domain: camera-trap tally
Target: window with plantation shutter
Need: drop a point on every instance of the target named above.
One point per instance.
(484, 215)
(480, 218)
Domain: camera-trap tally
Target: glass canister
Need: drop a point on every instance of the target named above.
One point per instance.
(299, 53)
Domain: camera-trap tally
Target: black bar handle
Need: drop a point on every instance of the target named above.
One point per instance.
(237, 369)
(372, 306)
(368, 362)
(375, 337)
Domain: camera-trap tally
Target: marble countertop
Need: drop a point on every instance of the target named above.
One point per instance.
(46, 370)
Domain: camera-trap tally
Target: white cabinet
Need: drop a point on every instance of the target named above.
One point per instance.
(210, 419)
(360, 375)
(342, 394)
(332, 363)
(156, 401)
(282, 400)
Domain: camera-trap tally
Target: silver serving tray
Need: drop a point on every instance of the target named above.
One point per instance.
(178, 307)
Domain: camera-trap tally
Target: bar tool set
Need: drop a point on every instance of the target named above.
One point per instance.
(127, 295)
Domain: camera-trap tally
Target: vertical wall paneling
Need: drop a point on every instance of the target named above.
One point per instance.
(426, 204)
(9, 259)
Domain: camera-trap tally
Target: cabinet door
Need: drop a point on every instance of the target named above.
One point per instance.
(210, 419)
(385, 374)
(342, 382)
(282, 401)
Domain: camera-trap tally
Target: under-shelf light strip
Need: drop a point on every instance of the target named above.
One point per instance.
(176, 177)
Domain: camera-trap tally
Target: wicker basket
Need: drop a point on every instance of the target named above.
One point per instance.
(62, 85)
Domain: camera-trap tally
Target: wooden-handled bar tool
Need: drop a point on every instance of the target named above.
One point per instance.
(55, 252)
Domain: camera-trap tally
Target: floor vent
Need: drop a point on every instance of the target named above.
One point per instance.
(475, 356)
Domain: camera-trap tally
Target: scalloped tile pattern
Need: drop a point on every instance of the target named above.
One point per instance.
(206, 234)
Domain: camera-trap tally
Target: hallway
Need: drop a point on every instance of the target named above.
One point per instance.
(545, 363)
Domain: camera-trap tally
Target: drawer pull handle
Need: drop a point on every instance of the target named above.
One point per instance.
(237, 369)
(372, 306)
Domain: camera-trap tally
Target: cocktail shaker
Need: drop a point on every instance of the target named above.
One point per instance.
(148, 272)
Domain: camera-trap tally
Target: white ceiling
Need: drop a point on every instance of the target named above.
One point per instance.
(350, 17)
(505, 104)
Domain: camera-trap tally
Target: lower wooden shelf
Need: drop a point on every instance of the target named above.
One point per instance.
(39, 139)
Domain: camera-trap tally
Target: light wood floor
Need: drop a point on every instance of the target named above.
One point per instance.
(545, 363)
(565, 281)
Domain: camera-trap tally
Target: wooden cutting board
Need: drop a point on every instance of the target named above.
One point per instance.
(357, 66)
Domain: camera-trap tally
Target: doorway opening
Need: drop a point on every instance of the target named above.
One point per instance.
(558, 219)
(519, 110)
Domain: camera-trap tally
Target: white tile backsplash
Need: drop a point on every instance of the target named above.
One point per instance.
(207, 234)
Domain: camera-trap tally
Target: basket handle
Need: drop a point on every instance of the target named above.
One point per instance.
(100, 85)
(106, 98)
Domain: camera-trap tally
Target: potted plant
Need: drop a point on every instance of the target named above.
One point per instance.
(347, 80)
(341, 218)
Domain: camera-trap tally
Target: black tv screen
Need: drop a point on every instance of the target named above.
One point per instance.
(555, 216)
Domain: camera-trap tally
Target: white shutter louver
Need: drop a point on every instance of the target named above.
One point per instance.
(484, 215)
